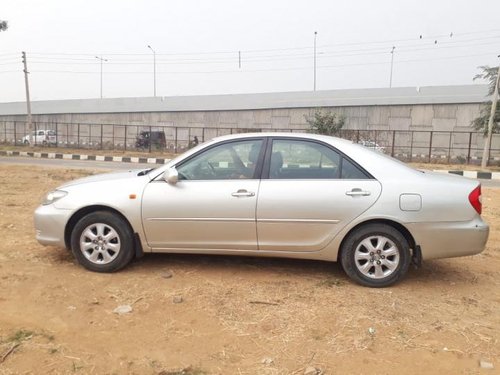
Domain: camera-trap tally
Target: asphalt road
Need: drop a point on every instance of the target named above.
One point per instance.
(81, 164)
(107, 165)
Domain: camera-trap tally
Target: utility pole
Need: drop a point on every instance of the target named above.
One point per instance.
(28, 102)
(487, 145)
(101, 59)
(392, 64)
(154, 69)
(315, 34)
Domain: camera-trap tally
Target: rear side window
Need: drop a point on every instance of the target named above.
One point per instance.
(350, 171)
(299, 159)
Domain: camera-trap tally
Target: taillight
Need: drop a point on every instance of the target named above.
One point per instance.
(475, 199)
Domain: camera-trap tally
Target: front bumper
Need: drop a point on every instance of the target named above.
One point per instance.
(49, 225)
(450, 239)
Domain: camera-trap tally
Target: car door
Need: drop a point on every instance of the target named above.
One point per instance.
(212, 206)
(40, 136)
(308, 192)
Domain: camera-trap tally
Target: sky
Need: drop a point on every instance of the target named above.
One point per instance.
(235, 46)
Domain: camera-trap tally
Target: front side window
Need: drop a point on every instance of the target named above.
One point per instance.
(228, 161)
(298, 159)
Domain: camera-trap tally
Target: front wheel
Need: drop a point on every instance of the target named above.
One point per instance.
(376, 255)
(102, 242)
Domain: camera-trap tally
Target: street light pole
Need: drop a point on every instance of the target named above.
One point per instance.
(315, 34)
(154, 69)
(494, 100)
(101, 60)
(392, 64)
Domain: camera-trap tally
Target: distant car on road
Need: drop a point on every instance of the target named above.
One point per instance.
(43, 137)
(272, 195)
(372, 145)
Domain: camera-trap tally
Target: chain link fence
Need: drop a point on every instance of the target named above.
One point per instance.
(406, 145)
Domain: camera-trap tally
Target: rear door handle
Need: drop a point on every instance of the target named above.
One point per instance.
(243, 193)
(357, 192)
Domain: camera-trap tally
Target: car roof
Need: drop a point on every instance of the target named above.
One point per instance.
(324, 138)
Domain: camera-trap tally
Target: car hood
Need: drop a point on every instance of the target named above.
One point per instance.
(104, 177)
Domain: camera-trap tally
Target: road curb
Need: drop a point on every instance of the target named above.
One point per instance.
(145, 160)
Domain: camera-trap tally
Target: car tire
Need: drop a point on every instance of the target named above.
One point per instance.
(26, 142)
(375, 255)
(102, 242)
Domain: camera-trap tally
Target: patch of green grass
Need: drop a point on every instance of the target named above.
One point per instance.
(24, 335)
(20, 335)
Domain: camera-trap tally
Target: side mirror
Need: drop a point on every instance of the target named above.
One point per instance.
(171, 176)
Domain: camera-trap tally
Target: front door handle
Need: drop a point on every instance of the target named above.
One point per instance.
(356, 192)
(243, 193)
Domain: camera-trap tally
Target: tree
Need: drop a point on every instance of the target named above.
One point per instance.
(327, 123)
(481, 123)
(3, 25)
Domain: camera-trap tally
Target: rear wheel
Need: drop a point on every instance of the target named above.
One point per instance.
(376, 255)
(102, 242)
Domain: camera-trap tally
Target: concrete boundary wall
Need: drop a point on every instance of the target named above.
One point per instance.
(411, 110)
(440, 108)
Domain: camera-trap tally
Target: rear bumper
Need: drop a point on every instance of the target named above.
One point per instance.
(450, 239)
(49, 225)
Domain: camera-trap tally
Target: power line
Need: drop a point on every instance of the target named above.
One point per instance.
(267, 58)
(322, 55)
(265, 70)
(388, 41)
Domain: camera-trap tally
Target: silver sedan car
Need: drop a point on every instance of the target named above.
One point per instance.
(275, 195)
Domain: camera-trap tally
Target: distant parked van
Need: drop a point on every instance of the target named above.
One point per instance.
(41, 137)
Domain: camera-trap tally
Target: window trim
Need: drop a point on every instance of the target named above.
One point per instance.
(269, 148)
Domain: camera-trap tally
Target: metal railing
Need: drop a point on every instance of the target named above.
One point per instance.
(406, 145)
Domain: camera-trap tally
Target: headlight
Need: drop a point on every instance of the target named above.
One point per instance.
(54, 196)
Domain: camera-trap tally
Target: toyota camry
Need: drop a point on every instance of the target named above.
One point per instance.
(274, 195)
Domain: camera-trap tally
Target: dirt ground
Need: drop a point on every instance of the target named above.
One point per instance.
(230, 315)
